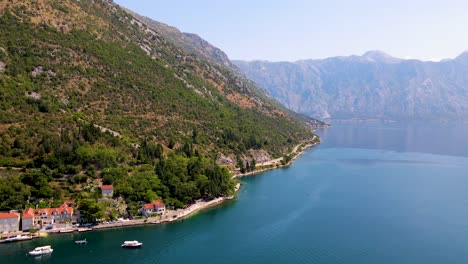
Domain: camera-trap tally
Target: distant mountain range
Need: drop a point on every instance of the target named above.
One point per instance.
(374, 85)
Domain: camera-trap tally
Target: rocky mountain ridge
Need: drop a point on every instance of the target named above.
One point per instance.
(374, 85)
(191, 43)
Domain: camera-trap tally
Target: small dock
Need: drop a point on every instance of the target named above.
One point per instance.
(17, 238)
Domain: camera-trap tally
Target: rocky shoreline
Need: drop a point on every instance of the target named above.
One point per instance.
(179, 214)
(176, 215)
(277, 164)
(169, 216)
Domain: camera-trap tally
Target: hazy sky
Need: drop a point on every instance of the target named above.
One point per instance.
(310, 29)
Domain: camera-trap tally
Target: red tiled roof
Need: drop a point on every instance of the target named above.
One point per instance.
(8, 215)
(69, 210)
(28, 213)
(50, 211)
(158, 203)
(47, 211)
(107, 187)
(155, 203)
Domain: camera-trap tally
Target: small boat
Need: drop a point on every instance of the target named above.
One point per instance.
(41, 251)
(81, 242)
(132, 244)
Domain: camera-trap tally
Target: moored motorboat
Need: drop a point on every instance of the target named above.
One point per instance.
(80, 242)
(132, 244)
(41, 251)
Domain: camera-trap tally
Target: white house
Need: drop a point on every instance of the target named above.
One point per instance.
(107, 190)
(155, 207)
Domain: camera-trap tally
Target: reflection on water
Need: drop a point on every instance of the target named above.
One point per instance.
(437, 138)
(367, 162)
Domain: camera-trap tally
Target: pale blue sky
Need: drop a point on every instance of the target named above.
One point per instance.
(309, 29)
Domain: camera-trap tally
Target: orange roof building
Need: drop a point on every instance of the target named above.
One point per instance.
(8, 215)
(46, 216)
(9, 222)
(155, 207)
(107, 190)
(27, 221)
(107, 187)
(28, 213)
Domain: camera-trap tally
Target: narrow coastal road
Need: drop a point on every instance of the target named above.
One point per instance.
(278, 160)
(270, 162)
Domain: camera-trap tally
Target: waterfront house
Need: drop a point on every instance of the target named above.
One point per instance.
(107, 191)
(9, 222)
(27, 221)
(155, 207)
(50, 216)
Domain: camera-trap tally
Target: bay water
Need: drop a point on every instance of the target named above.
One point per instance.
(370, 193)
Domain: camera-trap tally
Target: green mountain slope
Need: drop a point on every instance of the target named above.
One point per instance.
(89, 94)
(194, 44)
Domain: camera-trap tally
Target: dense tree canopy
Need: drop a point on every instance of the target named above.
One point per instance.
(13, 193)
(82, 106)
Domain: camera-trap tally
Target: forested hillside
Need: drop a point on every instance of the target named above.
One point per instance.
(194, 44)
(91, 95)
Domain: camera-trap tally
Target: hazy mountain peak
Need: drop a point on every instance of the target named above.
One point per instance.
(380, 56)
(462, 56)
(374, 85)
(189, 42)
(373, 53)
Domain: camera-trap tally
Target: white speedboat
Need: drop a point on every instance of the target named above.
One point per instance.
(41, 251)
(132, 244)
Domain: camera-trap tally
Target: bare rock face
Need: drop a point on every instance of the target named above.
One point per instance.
(259, 155)
(34, 95)
(225, 160)
(36, 71)
(39, 70)
(2, 66)
(372, 86)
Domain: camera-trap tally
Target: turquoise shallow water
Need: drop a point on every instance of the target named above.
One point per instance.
(369, 194)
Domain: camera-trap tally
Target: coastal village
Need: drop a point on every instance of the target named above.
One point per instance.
(61, 219)
(66, 218)
(35, 223)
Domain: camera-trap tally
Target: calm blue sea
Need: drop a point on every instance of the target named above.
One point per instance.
(370, 193)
